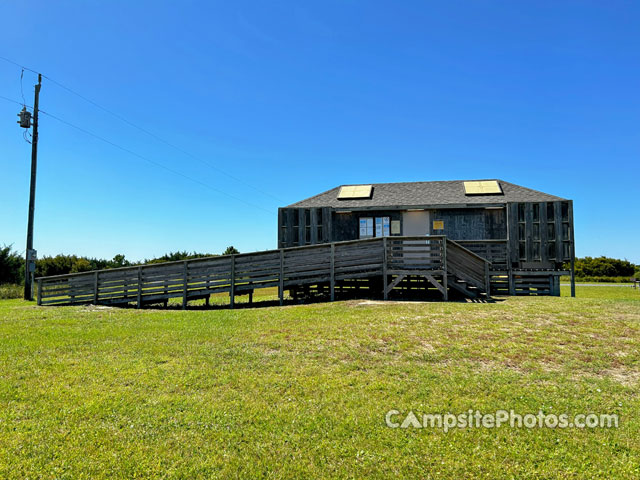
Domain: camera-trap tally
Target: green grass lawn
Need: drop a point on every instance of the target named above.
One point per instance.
(302, 391)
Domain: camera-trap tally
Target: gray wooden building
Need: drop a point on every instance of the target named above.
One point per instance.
(527, 235)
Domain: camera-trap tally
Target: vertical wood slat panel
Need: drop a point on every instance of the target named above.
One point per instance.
(528, 217)
(572, 249)
(301, 226)
(290, 212)
(557, 209)
(544, 233)
(514, 247)
(281, 230)
(314, 226)
(327, 227)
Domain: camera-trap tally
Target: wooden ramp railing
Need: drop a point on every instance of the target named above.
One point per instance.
(391, 258)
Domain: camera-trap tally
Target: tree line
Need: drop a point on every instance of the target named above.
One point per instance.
(605, 267)
(12, 263)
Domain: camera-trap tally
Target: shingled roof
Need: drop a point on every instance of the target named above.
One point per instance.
(425, 194)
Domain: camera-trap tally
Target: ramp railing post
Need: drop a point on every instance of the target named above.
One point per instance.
(281, 279)
(185, 284)
(95, 288)
(232, 291)
(139, 297)
(39, 292)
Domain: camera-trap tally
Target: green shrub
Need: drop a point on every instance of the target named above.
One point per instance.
(11, 266)
(567, 279)
(231, 250)
(603, 267)
(9, 290)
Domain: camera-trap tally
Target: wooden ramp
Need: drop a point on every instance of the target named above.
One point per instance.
(388, 262)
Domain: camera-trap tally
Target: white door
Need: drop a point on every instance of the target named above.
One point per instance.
(415, 223)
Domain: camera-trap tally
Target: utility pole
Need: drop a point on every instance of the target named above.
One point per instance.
(30, 256)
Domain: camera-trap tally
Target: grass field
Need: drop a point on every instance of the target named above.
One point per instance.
(302, 391)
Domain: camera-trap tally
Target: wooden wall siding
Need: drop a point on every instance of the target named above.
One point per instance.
(514, 248)
(553, 251)
(528, 216)
(294, 222)
(544, 234)
(471, 223)
(322, 264)
(558, 223)
(346, 226)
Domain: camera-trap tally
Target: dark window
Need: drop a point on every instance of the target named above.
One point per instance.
(551, 250)
(536, 250)
(521, 212)
(521, 231)
(565, 212)
(550, 212)
(522, 250)
(536, 231)
(536, 212)
(551, 231)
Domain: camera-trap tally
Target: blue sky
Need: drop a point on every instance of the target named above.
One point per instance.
(293, 98)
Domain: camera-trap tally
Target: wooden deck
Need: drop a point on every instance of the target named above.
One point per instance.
(441, 263)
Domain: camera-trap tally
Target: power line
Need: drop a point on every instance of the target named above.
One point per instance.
(147, 132)
(131, 152)
(153, 162)
(15, 101)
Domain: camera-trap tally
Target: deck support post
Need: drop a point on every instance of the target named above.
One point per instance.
(139, 296)
(95, 288)
(332, 272)
(487, 280)
(384, 268)
(232, 290)
(185, 283)
(281, 279)
(512, 281)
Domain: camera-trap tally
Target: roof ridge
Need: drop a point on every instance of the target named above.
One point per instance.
(424, 193)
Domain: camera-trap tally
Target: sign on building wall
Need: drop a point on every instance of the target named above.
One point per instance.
(395, 227)
(385, 227)
(438, 225)
(378, 226)
(366, 227)
(382, 227)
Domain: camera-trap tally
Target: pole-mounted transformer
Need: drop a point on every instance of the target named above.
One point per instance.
(25, 118)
